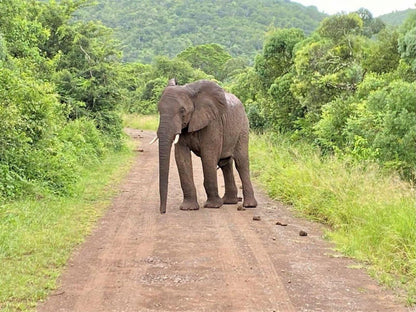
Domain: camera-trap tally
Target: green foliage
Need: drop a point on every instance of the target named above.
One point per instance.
(371, 26)
(339, 27)
(382, 55)
(283, 109)
(59, 95)
(151, 95)
(276, 58)
(3, 48)
(396, 18)
(371, 215)
(386, 120)
(338, 89)
(330, 129)
(30, 116)
(176, 68)
(210, 58)
(233, 67)
(246, 85)
(87, 76)
(38, 235)
(407, 41)
(325, 70)
(155, 79)
(19, 28)
(148, 28)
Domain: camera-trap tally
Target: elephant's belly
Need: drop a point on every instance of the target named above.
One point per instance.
(197, 153)
(224, 161)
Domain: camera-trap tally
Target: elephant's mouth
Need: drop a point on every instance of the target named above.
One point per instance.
(175, 141)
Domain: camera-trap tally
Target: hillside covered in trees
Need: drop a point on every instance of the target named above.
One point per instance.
(396, 18)
(167, 27)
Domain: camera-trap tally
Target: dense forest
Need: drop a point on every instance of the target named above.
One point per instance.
(167, 27)
(149, 28)
(396, 18)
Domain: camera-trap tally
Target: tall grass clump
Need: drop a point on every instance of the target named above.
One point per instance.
(371, 214)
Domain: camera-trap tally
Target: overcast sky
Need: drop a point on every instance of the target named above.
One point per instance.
(376, 7)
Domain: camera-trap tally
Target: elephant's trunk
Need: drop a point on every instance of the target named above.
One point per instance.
(166, 136)
(164, 160)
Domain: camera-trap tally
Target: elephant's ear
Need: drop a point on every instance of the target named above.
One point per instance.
(209, 103)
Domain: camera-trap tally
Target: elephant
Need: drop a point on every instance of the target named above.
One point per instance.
(202, 118)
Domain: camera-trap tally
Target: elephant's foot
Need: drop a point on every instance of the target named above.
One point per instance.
(189, 205)
(213, 203)
(250, 203)
(230, 200)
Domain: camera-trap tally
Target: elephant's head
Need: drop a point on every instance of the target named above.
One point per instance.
(184, 109)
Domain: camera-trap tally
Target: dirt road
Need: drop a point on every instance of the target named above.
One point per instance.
(207, 260)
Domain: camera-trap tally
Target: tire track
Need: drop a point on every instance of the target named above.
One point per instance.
(240, 224)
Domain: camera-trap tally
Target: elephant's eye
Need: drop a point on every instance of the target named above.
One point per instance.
(182, 110)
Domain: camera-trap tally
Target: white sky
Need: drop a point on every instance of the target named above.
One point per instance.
(376, 7)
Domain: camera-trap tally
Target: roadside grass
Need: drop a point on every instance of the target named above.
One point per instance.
(143, 122)
(371, 214)
(37, 235)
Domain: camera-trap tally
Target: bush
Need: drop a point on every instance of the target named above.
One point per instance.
(386, 121)
(371, 215)
(83, 140)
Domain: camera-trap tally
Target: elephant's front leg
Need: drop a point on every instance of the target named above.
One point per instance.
(184, 164)
(209, 166)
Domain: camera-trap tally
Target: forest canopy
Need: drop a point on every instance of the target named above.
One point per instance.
(149, 28)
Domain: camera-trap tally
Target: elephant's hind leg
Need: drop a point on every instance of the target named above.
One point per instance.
(242, 164)
(230, 195)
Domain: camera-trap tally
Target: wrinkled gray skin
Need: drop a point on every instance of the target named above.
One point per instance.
(213, 125)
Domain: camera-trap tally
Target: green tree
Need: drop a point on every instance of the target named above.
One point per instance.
(176, 68)
(382, 55)
(156, 79)
(50, 67)
(88, 77)
(407, 40)
(233, 67)
(338, 28)
(283, 110)
(55, 17)
(21, 29)
(328, 65)
(371, 26)
(210, 58)
(385, 124)
(276, 58)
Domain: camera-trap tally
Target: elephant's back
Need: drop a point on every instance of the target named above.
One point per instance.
(235, 113)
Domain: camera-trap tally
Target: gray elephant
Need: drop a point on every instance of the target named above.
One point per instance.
(201, 117)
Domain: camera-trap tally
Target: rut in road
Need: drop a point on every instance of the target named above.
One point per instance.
(206, 260)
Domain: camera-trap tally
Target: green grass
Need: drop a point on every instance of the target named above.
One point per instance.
(37, 236)
(371, 215)
(143, 122)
